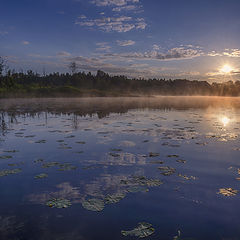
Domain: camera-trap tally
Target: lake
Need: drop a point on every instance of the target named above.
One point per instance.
(120, 168)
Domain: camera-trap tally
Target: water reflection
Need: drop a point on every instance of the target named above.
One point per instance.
(164, 155)
(225, 120)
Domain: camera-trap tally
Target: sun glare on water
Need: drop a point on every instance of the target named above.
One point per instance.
(226, 69)
(225, 121)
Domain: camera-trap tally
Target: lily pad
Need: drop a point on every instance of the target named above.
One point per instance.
(7, 172)
(181, 161)
(228, 192)
(40, 176)
(11, 151)
(38, 160)
(167, 171)
(50, 164)
(173, 156)
(142, 230)
(41, 141)
(135, 189)
(187, 177)
(115, 198)
(58, 203)
(96, 205)
(67, 167)
(5, 157)
(81, 142)
(151, 154)
(148, 182)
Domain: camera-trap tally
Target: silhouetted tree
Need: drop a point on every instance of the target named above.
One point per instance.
(2, 65)
(73, 67)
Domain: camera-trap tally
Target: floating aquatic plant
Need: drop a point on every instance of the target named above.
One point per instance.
(228, 192)
(50, 164)
(41, 141)
(7, 172)
(167, 171)
(187, 177)
(151, 154)
(58, 203)
(40, 176)
(96, 205)
(5, 157)
(135, 189)
(181, 161)
(11, 151)
(142, 230)
(67, 167)
(114, 198)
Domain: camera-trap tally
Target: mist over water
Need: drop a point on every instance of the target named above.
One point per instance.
(90, 168)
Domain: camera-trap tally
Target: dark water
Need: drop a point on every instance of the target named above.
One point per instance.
(90, 148)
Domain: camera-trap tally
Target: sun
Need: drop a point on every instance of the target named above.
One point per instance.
(226, 69)
(225, 120)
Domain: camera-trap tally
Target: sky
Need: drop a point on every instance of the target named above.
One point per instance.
(192, 39)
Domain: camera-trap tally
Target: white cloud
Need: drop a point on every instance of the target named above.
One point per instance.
(156, 47)
(82, 17)
(235, 53)
(63, 54)
(103, 46)
(125, 8)
(25, 42)
(125, 43)
(118, 24)
(172, 54)
(103, 3)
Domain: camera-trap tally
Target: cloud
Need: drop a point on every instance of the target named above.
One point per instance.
(25, 43)
(3, 33)
(117, 24)
(125, 43)
(172, 54)
(235, 53)
(103, 46)
(104, 3)
(125, 8)
(156, 47)
(82, 17)
(63, 54)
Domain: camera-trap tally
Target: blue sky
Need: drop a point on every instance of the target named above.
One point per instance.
(139, 38)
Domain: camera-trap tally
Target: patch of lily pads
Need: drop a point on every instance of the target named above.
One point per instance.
(7, 172)
(5, 157)
(41, 176)
(114, 198)
(58, 203)
(228, 192)
(167, 171)
(142, 230)
(93, 204)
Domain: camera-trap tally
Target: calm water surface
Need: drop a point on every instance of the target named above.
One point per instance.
(166, 157)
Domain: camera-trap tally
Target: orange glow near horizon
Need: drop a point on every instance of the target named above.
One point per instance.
(226, 69)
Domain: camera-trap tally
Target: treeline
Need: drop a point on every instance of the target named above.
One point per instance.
(102, 84)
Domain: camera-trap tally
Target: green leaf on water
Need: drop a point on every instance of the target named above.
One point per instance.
(41, 141)
(58, 203)
(5, 157)
(135, 189)
(96, 205)
(151, 154)
(142, 230)
(7, 172)
(50, 164)
(228, 192)
(167, 171)
(114, 198)
(40, 176)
